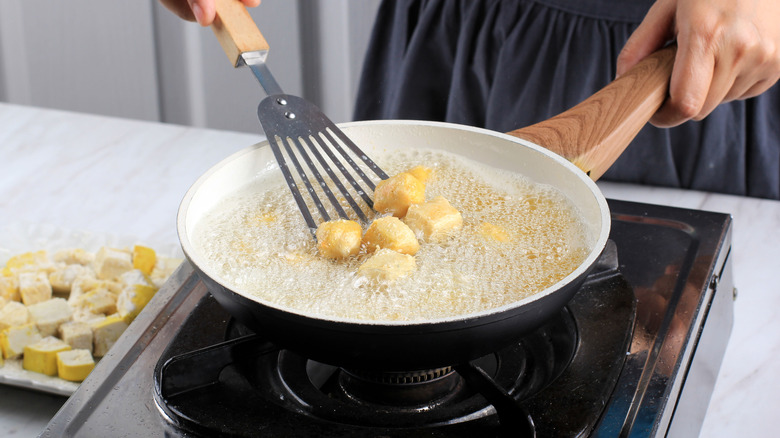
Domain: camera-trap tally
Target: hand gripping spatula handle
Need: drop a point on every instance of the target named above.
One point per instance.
(297, 131)
(243, 43)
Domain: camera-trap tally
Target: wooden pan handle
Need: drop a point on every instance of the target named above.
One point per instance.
(236, 30)
(593, 134)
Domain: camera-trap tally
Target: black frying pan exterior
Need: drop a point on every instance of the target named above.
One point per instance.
(394, 347)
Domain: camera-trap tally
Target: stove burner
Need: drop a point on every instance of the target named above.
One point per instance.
(401, 388)
(245, 385)
(428, 397)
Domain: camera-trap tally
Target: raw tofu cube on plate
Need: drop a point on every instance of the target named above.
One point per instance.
(74, 365)
(34, 287)
(13, 314)
(49, 315)
(77, 334)
(14, 339)
(41, 356)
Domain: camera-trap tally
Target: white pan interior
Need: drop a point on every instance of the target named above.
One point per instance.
(488, 147)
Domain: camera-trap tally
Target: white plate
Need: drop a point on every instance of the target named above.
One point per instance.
(20, 238)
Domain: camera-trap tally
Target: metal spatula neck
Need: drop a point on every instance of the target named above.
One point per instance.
(256, 62)
(303, 138)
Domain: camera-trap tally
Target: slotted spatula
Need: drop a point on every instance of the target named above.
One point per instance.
(298, 132)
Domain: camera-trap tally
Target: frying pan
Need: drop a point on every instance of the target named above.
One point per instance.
(568, 152)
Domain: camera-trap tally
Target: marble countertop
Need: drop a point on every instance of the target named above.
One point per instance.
(125, 177)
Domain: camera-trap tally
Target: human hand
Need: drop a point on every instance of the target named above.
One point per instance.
(202, 11)
(727, 50)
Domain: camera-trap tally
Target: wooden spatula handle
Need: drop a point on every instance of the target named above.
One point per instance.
(594, 133)
(236, 31)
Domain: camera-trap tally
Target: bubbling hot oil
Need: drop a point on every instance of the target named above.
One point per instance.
(258, 244)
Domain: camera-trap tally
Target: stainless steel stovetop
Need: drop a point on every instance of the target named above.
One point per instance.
(635, 354)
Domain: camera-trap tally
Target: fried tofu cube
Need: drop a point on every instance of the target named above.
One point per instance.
(49, 315)
(105, 334)
(434, 219)
(144, 259)
(9, 287)
(77, 334)
(133, 299)
(395, 194)
(110, 263)
(13, 314)
(339, 239)
(74, 365)
(34, 287)
(391, 233)
(387, 265)
(495, 232)
(76, 256)
(14, 339)
(41, 357)
(62, 278)
(421, 172)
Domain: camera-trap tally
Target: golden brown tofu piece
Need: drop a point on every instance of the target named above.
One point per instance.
(395, 194)
(391, 233)
(339, 239)
(421, 172)
(434, 219)
(387, 265)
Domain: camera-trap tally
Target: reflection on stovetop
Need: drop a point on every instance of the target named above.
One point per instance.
(245, 385)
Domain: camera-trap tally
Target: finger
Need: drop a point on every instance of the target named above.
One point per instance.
(756, 76)
(655, 30)
(204, 11)
(757, 88)
(723, 81)
(689, 85)
(251, 3)
(181, 9)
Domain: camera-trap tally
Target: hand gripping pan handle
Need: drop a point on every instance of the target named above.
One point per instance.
(593, 134)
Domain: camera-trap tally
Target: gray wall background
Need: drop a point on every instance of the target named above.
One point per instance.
(135, 59)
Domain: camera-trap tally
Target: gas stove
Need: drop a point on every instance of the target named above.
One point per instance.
(635, 353)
